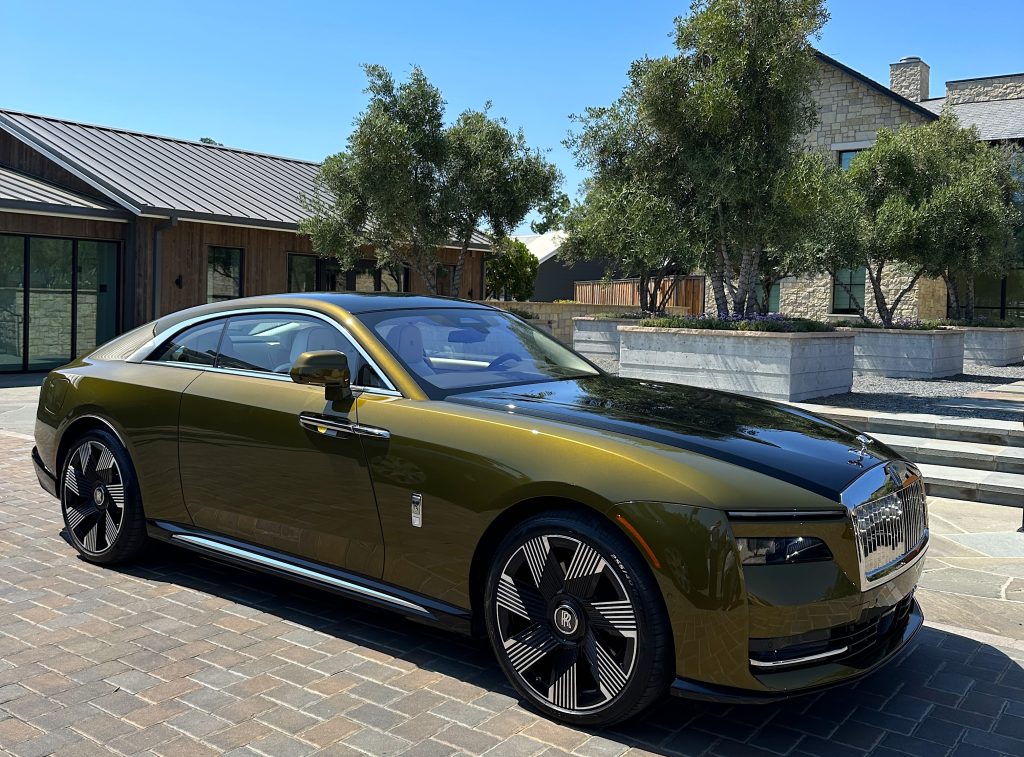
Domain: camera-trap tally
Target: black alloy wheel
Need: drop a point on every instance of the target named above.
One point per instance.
(570, 624)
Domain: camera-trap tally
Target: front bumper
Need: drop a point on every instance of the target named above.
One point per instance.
(47, 480)
(810, 679)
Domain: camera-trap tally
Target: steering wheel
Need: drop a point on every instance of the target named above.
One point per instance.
(502, 359)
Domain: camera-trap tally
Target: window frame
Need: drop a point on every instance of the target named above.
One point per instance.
(145, 353)
(837, 287)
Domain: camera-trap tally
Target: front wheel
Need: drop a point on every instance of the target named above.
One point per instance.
(100, 500)
(576, 620)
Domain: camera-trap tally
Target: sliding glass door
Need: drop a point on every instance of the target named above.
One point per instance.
(12, 302)
(72, 303)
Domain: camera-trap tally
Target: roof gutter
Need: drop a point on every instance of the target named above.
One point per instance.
(158, 231)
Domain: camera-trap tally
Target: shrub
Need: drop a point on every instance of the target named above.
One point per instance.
(771, 322)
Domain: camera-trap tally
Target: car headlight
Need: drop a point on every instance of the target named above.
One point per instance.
(782, 550)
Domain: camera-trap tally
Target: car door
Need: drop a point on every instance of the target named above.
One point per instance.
(268, 461)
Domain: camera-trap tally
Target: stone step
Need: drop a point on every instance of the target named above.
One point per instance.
(988, 457)
(981, 431)
(973, 485)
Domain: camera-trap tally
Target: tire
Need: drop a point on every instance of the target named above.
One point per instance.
(577, 621)
(99, 499)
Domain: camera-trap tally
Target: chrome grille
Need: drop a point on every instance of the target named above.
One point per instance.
(890, 528)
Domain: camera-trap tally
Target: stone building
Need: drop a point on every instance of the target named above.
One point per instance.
(851, 109)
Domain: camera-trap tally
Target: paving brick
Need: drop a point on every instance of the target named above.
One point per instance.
(328, 732)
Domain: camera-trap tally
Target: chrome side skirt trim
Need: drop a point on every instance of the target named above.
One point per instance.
(297, 570)
(798, 660)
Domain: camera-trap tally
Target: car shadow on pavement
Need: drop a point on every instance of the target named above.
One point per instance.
(945, 691)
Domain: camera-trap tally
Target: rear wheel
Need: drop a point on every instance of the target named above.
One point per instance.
(577, 621)
(100, 500)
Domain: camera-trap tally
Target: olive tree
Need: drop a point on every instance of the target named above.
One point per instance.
(407, 184)
(926, 200)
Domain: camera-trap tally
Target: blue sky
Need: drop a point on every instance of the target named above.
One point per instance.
(284, 77)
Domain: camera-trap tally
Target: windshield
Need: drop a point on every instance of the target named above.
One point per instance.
(454, 350)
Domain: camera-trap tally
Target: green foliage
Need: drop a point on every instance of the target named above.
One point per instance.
(211, 141)
(406, 184)
(924, 200)
(773, 323)
(712, 135)
(511, 271)
(637, 232)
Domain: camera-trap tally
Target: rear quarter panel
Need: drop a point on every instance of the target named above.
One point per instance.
(140, 402)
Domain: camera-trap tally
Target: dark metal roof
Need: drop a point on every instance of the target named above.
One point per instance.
(873, 85)
(19, 191)
(155, 175)
(149, 174)
(995, 120)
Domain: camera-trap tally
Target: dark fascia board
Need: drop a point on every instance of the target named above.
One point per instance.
(879, 88)
(49, 209)
(88, 177)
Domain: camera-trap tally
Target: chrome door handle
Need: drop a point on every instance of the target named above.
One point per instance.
(331, 427)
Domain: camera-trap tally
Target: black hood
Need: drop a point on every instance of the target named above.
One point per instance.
(771, 438)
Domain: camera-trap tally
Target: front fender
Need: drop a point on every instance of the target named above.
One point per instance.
(693, 555)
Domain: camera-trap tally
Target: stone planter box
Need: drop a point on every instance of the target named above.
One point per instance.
(597, 339)
(993, 346)
(778, 366)
(908, 353)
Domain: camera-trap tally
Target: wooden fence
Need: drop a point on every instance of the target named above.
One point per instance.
(688, 293)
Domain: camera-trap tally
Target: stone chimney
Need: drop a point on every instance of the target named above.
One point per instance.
(909, 78)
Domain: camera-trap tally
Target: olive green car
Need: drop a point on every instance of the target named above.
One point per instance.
(615, 539)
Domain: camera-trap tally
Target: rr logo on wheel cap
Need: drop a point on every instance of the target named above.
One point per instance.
(566, 620)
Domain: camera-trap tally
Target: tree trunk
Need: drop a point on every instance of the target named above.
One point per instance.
(746, 281)
(718, 284)
(970, 297)
(953, 293)
(643, 292)
(460, 263)
(884, 314)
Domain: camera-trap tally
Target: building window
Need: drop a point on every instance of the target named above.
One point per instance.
(302, 271)
(309, 273)
(848, 290)
(223, 274)
(845, 156)
(445, 277)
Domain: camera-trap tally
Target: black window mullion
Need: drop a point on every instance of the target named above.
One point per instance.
(26, 283)
(74, 299)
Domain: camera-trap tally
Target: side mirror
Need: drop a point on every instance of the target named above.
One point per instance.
(326, 368)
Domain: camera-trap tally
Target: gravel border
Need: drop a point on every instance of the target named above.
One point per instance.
(938, 396)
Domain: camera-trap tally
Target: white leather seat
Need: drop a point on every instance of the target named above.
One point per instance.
(407, 342)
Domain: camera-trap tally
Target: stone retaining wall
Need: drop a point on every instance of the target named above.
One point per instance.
(900, 353)
(779, 366)
(991, 346)
(558, 316)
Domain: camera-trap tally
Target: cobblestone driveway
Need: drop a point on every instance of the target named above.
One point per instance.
(179, 656)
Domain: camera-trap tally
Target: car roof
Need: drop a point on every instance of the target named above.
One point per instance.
(336, 304)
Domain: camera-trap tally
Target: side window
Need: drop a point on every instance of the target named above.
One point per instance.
(196, 346)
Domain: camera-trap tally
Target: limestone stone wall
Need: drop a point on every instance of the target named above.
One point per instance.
(811, 297)
(849, 111)
(980, 90)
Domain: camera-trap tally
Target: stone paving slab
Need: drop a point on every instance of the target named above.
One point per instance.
(180, 656)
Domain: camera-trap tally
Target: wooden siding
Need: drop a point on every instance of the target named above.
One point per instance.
(264, 263)
(688, 294)
(59, 226)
